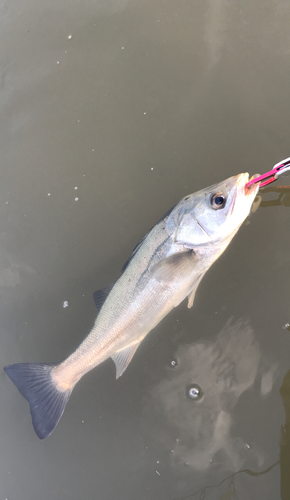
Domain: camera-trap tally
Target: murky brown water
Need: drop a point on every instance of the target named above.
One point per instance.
(111, 111)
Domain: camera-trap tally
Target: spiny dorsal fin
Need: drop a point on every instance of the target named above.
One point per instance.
(122, 358)
(178, 265)
(101, 295)
(143, 239)
(134, 252)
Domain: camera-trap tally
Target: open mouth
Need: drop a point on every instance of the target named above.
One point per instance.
(253, 187)
(254, 177)
(243, 180)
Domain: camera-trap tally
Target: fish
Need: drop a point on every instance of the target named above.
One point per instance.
(165, 267)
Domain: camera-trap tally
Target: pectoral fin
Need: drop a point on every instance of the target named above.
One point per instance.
(191, 295)
(176, 266)
(123, 358)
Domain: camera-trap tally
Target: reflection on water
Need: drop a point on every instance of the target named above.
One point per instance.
(229, 492)
(139, 103)
(215, 30)
(11, 270)
(223, 369)
(285, 439)
(227, 488)
(264, 198)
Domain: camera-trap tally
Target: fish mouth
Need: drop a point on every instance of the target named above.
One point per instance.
(242, 180)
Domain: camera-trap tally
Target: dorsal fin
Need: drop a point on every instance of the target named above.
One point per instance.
(134, 252)
(101, 295)
(143, 239)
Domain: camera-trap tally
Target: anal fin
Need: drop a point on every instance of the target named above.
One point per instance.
(122, 358)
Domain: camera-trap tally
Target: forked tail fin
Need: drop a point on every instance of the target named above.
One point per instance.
(47, 403)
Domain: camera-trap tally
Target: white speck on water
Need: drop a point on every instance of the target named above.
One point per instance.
(69, 37)
(65, 51)
(78, 121)
(247, 446)
(210, 461)
(158, 461)
(194, 392)
(65, 304)
(93, 150)
(48, 194)
(152, 168)
(144, 113)
(84, 175)
(285, 327)
(83, 421)
(76, 187)
(57, 62)
(123, 48)
(76, 199)
(6, 202)
(157, 472)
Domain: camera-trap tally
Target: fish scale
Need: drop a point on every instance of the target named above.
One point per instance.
(165, 267)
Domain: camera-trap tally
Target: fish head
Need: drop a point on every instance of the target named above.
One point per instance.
(212, 215)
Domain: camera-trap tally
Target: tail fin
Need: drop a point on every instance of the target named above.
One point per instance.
(47, 403)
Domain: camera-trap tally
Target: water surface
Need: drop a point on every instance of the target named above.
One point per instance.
(111, 111)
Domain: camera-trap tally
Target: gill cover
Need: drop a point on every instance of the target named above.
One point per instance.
(198, 220)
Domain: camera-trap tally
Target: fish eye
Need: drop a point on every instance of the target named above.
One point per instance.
(218, 200)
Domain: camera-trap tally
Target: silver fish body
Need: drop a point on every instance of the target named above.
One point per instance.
(165, 268)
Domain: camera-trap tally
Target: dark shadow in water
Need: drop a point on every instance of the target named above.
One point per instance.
(285, 439)
(282, 200)
(231, 491)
